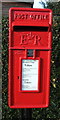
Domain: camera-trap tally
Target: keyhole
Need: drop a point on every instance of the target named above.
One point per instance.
(18, 77)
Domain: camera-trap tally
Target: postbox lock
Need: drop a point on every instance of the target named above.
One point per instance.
(30, 53)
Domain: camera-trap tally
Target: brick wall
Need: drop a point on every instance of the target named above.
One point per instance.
(7, 5)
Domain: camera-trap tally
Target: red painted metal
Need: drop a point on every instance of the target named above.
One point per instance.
(29, 29)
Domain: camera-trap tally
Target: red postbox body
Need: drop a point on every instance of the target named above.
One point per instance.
(30, 39)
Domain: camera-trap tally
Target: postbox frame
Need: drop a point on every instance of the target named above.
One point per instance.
(12, 48)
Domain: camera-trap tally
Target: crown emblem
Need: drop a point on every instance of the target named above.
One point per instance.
(29, 37)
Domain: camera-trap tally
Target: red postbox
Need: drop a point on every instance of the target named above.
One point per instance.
(30, 39)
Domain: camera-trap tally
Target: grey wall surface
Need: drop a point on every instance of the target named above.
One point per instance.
(29, 1)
